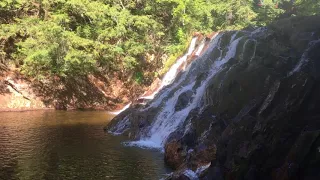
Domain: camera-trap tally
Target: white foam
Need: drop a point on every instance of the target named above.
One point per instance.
(120, 127)
(172, 73)
(145, 144)
(190, 174)
(187, 72)
(232, 49)
(198, 52)
(192, 45)
(120, 111)
(195, 175)
(202, 168)
(114, 133)
(304, 58)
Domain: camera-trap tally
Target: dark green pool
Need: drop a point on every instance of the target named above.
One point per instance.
(69, 145)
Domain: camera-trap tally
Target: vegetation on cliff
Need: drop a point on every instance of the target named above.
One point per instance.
(129, 40)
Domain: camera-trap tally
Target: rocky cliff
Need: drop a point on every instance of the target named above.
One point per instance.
(247, 108)
(16, 94)
(94, 91)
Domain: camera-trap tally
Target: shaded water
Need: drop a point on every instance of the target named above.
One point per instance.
(69, 145)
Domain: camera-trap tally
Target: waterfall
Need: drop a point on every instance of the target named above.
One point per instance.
(174, 70)
(172, 73)
(229, 83)
(198, 52)
(168, 77)
(121, 110)
(169, 118)
(304, 58)
(178, 96)
(188, 72)
(192, 45)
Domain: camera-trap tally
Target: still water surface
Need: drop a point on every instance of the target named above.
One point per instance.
(69, 145)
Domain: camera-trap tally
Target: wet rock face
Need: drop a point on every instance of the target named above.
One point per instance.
(268, 126)
(174, 154)
(135, 125)
(259, 115)
(179, 176)
(183, 100)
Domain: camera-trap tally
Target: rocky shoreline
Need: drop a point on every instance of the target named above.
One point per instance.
(19, 93)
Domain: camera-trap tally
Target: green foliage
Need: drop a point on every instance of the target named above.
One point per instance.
(50, 50)
(268, 12)
(307, 7)
(138, 78)
(77, 37)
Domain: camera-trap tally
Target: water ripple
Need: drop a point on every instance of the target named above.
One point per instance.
(69, 145)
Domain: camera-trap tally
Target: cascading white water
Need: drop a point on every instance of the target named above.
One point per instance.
(120, 127)
(199, 50)
(187, 72)
(168, 77)
(304, 58)
(121, 110)
(168, 119)
(192, 45)
(173, 71)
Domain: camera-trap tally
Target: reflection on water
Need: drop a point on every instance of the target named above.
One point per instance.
(69, 145)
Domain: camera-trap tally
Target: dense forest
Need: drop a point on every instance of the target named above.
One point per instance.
(133, 40)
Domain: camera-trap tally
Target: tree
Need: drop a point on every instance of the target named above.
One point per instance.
(78, 37)
(268, 11)
(306, 7)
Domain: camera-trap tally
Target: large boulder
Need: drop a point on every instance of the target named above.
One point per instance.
(174, 154)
